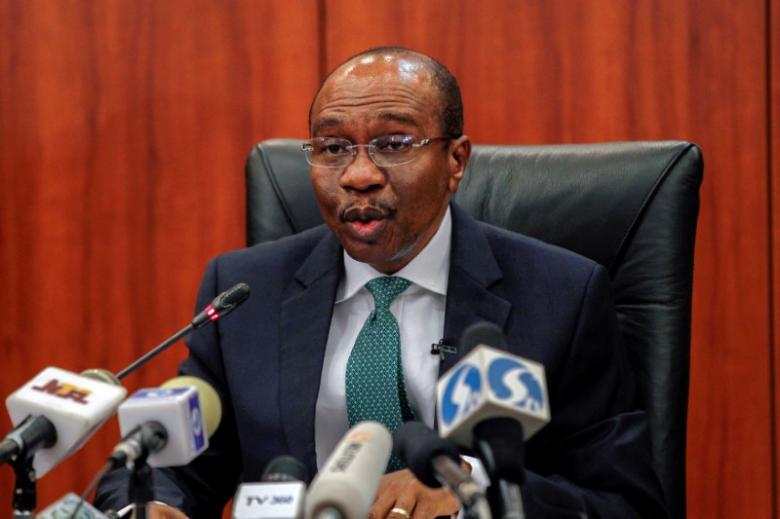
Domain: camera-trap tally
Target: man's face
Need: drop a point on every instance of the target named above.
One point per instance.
(385, 216)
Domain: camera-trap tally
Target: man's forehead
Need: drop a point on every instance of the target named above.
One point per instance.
(394, 87)
(405, 65)
(328, 121)
(377, 71)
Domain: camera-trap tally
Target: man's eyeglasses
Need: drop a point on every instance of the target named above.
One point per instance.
(386, 151)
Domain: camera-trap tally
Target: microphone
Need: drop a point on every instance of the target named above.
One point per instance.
(167, 426)
(436, 462)
(346, 485)
(220, 306)
(279, 495)
(54, 414)
(492, 401)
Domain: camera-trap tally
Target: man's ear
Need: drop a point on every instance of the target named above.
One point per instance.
(459, 153)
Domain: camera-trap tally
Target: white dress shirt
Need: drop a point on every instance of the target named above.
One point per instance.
(419, 311)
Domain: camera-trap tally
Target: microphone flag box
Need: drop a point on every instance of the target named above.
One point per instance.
(270, 500)
(179, 411)
(75, 404)
(490, 383)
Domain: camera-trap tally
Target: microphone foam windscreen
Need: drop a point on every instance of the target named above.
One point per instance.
(285, 468)
(103, 375)
(417, 445)
(232, 297)
(485, 333)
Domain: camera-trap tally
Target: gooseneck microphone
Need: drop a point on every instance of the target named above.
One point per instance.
(436, 462)
(220, 306)
(57, 411)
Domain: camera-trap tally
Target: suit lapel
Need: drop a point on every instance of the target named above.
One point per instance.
(304, 324)
(473, 271)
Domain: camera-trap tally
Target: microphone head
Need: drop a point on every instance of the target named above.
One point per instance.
(222, 305)
(279, 495)
(285, 468)
(350, 477)
(483, 333)
(189, 410)
(76, 405)
(417, 445)
(490, 383)
(228, 300)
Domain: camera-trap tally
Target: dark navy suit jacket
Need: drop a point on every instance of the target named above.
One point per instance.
(554, 307)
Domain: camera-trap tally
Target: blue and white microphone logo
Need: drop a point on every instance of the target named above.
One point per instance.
(513, 382)
(462, 393)
(196, 419)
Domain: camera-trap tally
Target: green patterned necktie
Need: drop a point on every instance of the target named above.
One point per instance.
(375, 376)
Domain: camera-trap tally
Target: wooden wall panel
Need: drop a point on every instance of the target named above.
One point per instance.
(773, 61)
(562, 71)
(123, 131)
(124, 125)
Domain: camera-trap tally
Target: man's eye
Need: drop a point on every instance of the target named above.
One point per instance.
(394, 143)
(335, 148)
(332, 148)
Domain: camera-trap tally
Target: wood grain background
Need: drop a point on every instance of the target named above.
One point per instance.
(124, 126)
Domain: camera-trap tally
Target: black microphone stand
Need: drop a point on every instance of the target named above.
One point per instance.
(499, 445)
(24, 500)
(18, 449)
(140, 489)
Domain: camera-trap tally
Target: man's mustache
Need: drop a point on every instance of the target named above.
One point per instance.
(377, 210)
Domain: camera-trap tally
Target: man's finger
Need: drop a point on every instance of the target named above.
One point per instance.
(404, 505)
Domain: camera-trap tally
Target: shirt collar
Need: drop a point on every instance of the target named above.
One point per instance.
(429, 269)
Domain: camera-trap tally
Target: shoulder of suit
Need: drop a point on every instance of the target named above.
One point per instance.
(509, 243)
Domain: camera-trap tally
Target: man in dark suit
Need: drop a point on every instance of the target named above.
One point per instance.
(387, 153)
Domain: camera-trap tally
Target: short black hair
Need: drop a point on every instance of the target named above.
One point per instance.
(445, 82)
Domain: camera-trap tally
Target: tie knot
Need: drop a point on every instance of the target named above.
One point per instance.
(385, 289)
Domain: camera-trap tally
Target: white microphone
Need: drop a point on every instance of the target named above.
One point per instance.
(168, 426)
(347, 484)
(492, 401)
(491, 383)
(75, 405)
(279, 495)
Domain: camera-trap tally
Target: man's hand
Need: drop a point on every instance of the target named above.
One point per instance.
(402, 491)
(161, 511)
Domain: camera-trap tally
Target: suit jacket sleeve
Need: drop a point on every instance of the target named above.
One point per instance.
(593, 459)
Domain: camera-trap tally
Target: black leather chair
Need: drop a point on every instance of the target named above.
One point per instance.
(630, 206)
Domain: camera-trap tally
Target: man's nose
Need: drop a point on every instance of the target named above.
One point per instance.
(362, 174)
